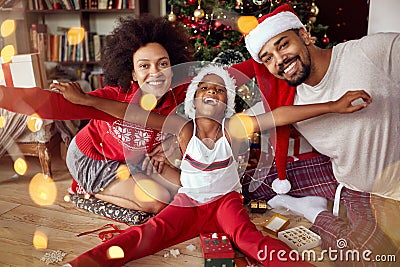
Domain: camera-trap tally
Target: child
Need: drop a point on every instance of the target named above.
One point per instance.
(209, 199)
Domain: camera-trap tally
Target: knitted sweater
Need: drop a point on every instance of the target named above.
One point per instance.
(104, 136)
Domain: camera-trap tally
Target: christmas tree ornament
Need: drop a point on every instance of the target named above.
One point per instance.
(312, 19)
(199, 12)
(325, 39)
(192, 2)
(171, 15)
(259, 2)
(239, 4)
(314, 10)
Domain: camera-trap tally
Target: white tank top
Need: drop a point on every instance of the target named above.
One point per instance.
(207, 173)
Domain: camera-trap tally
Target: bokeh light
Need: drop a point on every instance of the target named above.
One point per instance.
(20, 166)
(115, 252)
(67, 198)
(7, 53)
(34, 123)
(75, 35)
(40, 240)
(42, 190)
(7, 27)
(241, 126)
(123, 172)
(3, 122)
(147, 190)
(148, 101)
(246, 24)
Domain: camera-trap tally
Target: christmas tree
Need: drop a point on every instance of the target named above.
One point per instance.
(213, 24)
(217, 29)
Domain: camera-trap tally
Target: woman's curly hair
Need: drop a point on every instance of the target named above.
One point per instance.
(132, 33)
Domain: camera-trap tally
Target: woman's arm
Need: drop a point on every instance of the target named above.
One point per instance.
(290, 114)
(47, 104)
(126, 111)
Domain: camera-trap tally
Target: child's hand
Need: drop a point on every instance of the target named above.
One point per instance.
(351, 101)
(71, 91)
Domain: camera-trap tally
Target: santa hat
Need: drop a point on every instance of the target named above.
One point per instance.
(280, 20)
(230, 85)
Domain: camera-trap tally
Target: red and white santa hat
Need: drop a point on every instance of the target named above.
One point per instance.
(283, 18)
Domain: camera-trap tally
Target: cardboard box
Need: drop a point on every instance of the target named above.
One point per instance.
(28, 71)
(276, 223)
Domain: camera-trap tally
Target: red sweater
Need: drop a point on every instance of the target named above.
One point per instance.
(104, 136)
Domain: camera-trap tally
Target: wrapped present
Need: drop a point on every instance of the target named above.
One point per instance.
(5, 74)
(217, 250)
(258, 206)
(27, 71)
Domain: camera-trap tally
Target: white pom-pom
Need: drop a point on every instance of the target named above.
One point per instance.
(281, 186)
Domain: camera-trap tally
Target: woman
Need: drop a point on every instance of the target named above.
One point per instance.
(138, 54)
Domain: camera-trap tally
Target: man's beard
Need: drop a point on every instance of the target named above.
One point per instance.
(301, 76)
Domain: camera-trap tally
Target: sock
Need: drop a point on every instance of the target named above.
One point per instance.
(309, 207)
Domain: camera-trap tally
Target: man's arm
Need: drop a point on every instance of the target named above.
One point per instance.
(285, 115)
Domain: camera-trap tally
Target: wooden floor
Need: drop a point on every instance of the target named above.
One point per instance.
(20, 218)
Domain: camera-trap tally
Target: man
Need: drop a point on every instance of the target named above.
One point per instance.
(363, 148)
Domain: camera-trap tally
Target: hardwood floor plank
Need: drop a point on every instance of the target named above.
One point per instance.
(6, 206)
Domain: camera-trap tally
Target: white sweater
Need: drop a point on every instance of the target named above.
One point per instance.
(364, 146)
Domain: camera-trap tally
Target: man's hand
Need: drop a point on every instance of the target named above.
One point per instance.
(351, 101)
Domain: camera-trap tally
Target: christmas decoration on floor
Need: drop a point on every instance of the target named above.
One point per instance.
(217, 250)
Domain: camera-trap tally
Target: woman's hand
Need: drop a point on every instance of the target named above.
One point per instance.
(155, 160)
(351, 101)
(71, 91)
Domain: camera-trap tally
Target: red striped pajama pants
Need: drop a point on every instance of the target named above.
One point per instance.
(370, 219)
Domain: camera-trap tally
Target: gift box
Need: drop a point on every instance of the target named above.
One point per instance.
(27, 71)
(5, 74)
(217, 250)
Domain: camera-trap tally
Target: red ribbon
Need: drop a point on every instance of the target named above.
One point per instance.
(7, 74)
(104, 235)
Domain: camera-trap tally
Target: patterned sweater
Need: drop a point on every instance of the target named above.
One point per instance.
(104, 136)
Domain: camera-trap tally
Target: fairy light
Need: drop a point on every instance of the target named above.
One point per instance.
(145, 190)
(246, 24)
(3, 122)
(123, 172)
(67, 198)
(148, 101)
(20, 166)
(115, 252)
(7, 53)
(7, 27)
(75, 35)
(34, 123)
(241, 125)
(40, 240)
(42, 190)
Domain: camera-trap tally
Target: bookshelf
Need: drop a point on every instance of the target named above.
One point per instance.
(49, 28)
